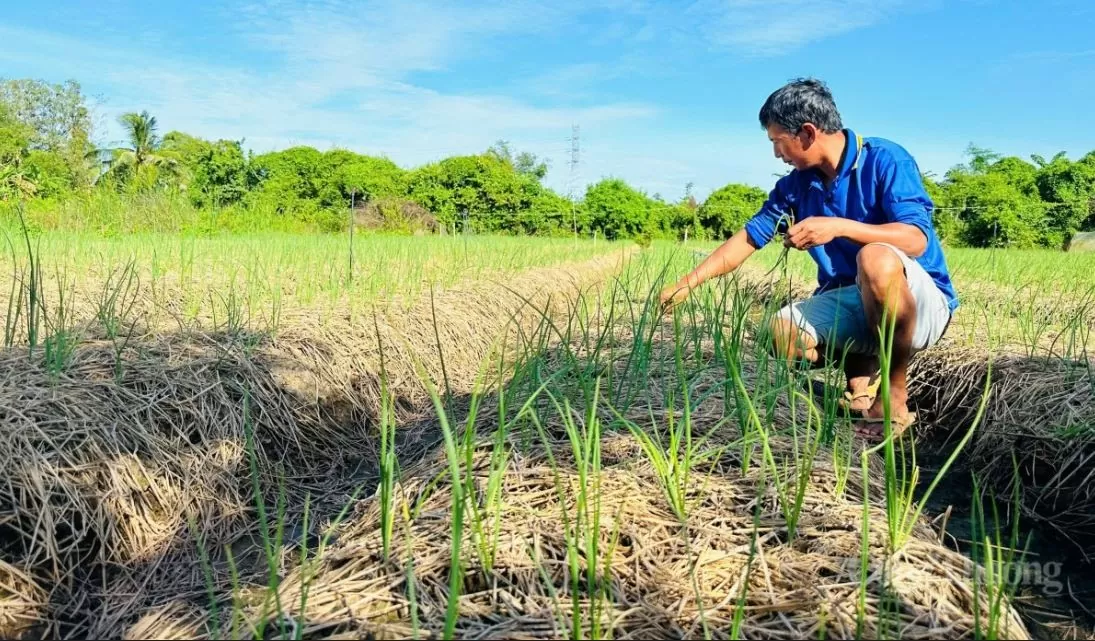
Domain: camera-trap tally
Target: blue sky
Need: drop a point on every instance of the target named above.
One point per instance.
(665, 93)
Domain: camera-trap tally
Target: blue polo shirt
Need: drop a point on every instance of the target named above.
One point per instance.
(878, 182)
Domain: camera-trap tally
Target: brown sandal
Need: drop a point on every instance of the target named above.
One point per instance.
(846, 401)
(898, 426)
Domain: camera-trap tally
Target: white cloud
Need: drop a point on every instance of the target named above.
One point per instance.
(764, 28)
(775, 27)
(354, 44)
(567, 81)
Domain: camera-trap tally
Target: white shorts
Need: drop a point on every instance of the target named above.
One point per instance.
(836, 317)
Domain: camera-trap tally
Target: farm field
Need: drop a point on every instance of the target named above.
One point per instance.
(494, 437)
(196, 277)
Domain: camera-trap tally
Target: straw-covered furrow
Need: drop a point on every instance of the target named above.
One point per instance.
(1037, 428)
(22, 601)
(566, 555)
(569, 530)
(106, 460)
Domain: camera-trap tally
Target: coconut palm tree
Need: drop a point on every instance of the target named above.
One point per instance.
(144, 146)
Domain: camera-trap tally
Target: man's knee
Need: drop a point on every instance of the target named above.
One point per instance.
(878, 264)
(787, 338)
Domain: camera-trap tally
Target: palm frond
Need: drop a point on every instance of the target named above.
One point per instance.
(141, 130)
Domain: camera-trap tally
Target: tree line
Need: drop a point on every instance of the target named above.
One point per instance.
(48, 160)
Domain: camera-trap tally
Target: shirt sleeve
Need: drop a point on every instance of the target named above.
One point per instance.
(775, 215)
(903, 196)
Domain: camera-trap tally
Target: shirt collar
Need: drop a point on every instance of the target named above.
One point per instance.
(853, 150)
(849, 160)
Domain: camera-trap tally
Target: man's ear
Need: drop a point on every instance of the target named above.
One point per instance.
(808, 134)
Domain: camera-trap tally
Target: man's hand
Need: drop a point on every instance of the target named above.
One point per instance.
(723, 260)
(673, 295)
(813, 232)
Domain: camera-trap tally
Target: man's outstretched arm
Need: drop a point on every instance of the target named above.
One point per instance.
(728, 257)
(753, 235)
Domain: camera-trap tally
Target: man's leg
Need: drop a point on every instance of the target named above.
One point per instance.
(885, 292)
(860, 370)
(808, 330)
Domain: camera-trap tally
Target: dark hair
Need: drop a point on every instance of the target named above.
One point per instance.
(801, 101)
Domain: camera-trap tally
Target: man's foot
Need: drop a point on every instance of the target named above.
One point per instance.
(871, 423)
(861, 393)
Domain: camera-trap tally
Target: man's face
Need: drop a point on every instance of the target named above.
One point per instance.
(799, 150)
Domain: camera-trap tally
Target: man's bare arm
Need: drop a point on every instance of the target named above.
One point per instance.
(908, 238)
(819, 230)
(728, 257)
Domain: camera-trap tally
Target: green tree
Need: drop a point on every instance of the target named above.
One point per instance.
(50, 173)
(140, 129)
(288, 179)
(366, 178)
(618, 210)
(980, 159)
(219, 172)
(551, 214)
(1000, 201)
(1068, 189)
(727, 209)
(185, 148)
(995, 212)
(947, 221)
(666, 220)
(56, 113)
(1086, 187)
(486, 188)
(1017, 172)
(59, 124)
(525, 163)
